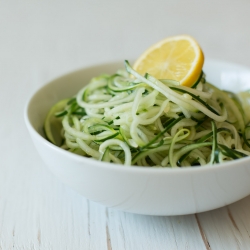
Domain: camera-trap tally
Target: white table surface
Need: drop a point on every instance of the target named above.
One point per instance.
(40, 40)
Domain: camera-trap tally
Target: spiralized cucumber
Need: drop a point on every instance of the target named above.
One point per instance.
(130, 119)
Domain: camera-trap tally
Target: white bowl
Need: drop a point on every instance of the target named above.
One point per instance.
(142, 190)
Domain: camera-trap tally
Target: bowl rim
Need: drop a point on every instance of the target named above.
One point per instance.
(119, 167)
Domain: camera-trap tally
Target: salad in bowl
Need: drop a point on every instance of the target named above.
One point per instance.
(168, 135)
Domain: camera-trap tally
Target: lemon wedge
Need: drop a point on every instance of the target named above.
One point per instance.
(178, 58)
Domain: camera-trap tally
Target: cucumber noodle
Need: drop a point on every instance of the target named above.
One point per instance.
(130, 119)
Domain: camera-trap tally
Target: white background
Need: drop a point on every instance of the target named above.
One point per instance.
(40, 40)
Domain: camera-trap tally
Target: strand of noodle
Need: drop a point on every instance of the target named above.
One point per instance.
(96, 83)
(74, 132)
(71, 144)
(243, 151)
(115, 159)
(135, 123)
(121, 108)
(229, 141)
(76, 123)
(200, 86)
(222, 158)
(64, 146)
(201, 134)
(90, 112)
(139, 162)
(144, 162)
(84, 104)
(185, 122)
(119, 96)
(185, 112)
(192, 133)
(154, 159)
(124, 120)
(197, 152)
(154, 150)
(149, 100)
(90, 151)
(235, 133)
(174, 108)
(159, 124)
(172, 115)
(98, 97)
(136, 103)
(144, 121)
(165, 161)
(142, 135)
(120, 143)
(146, 131)
(222, 140)
(184, 150)
(90, 122)
(151, 111)
(180, 135)
(185, 163)
(69, 137)
(197, 115)
(196, 92)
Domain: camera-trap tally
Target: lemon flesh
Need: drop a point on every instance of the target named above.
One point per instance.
(178, 58)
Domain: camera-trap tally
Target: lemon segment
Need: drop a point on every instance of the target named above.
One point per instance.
(53, 125)
(178, 58)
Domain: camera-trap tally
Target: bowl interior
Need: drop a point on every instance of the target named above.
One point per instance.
(227, 76)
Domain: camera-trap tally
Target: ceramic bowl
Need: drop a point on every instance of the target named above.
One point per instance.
(142, 190)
